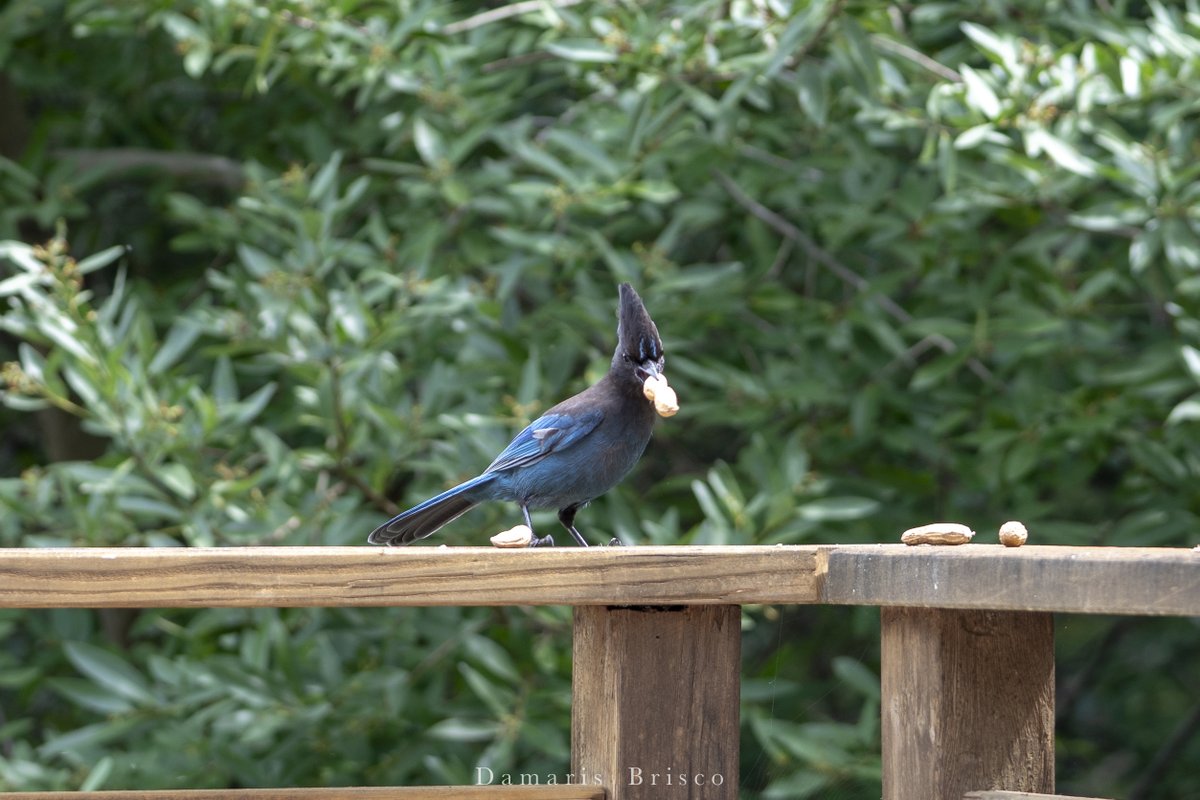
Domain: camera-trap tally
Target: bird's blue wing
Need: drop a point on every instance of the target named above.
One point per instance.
(545, 435)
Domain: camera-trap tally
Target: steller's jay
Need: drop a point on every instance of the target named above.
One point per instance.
(572, 454)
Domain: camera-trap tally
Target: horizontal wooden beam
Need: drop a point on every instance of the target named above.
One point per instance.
(494, 792)
(1144, 581)
(404, 576)
(996, 794)
(1099, 580)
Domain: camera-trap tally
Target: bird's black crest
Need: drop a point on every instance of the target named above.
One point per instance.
(636, 333)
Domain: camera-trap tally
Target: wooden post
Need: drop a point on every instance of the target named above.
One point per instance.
(655, 706)
(968, 702)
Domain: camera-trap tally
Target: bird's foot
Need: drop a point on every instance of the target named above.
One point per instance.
(545, 541)
(615, 542)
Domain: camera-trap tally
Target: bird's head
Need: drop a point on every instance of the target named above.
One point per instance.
(639, 352)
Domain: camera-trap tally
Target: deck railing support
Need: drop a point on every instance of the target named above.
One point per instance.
(968, 702)
(655, 706)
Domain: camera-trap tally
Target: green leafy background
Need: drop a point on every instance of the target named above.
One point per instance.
(271, 271)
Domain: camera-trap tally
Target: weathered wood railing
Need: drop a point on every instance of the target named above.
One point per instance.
(967, 650)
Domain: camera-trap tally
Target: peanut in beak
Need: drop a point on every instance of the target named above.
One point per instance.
(659, 392)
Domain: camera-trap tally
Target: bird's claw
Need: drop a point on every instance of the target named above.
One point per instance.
(615, 542)
(545, 541)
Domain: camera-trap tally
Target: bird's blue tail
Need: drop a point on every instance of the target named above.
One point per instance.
(424, 519)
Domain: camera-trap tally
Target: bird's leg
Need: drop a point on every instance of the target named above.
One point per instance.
(546, 541)
(567, 517)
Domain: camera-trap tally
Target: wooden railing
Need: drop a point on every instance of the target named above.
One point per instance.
(967, 642)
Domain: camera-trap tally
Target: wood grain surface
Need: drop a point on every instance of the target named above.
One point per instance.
(403, 576)
(999, 795)
(1091, 580)
(348, 793)
(1101, 580)
(967, 701)
(655, 701)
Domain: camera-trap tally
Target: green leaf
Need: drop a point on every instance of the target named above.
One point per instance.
(324, 185)
(1021, 459)
(1131, 76)
(110, 671)
(1144, 248)
(1039, 140)
(224, 382)
(495, 695)
(148, 507)
(1002, 49)
(813, 92)
(180, 338)
(585, 50)
(22, 403)
(1191, 359)
(489, 654)
(18, 175)
(87, 737)
(179, 479)
(101, 259)
(1180, 245)
(979, 93)
(197, 58)
(585, 150)
(98, 775)
(17, 284)
(546, 244)
(838, 509)
(458, 729)
(257, 263)
(1109, 217)
(974, 137)
(349, 315)
(428, 142)
(798, 786)
(90, 696)
(805, 23)
(32, 362)
(538, 158)
(1186, 411)
(64, 333)
(853, 673)
(246, 410)
(708, 503)
(83, 383)
(936, 372)
(725, 489)
(659, 192)
(19, 677)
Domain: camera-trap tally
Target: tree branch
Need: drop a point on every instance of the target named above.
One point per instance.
(825, 259)
(917, 57)
(814, 251)
(200, 167)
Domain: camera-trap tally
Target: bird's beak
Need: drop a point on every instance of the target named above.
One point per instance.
(647, 371)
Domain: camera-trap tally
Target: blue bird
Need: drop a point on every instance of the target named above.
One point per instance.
(572, 454)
